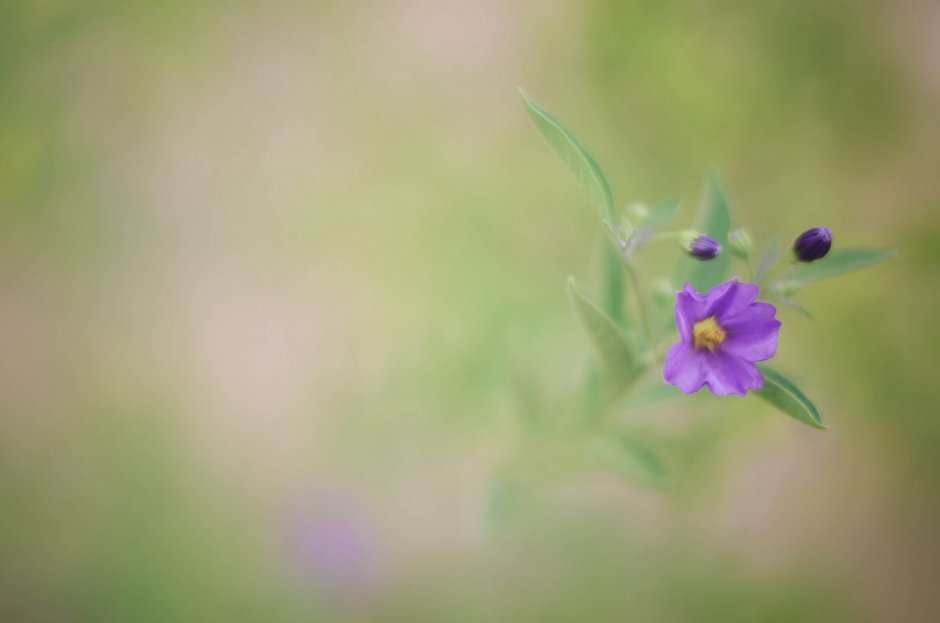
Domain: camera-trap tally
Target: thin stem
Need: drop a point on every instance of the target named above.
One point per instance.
(613, 284)
(665, 235)
(641, 307)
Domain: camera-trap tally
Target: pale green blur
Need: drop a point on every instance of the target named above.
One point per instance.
(282, 293)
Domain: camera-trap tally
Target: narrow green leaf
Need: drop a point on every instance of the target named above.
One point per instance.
(714, 220)
(783, 394)
(605, 335)
(581, 164)
(630, 459)
(794, 305)
(837, 263)
(589, 175)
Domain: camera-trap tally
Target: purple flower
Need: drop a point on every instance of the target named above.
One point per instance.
(813, 244)
(723, 333)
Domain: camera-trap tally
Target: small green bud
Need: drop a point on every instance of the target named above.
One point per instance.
(637, 213)
(739, 242)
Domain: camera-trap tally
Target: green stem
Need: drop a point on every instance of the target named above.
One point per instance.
(641, 307)
(613, 274)
(665, 235)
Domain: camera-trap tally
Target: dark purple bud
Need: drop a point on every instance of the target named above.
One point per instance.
(704, 248)
(813, 244)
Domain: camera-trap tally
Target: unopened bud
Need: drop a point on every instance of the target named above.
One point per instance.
(813, 244)
(637, 213)
(739, 243)
(699, 246)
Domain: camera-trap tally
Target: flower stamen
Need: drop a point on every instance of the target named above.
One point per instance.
(708, 334)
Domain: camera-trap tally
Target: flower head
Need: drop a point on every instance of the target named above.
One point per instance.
(813, 244)
(699, 246)
(722, 334)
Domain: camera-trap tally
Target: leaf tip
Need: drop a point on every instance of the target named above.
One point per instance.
(714, 177)
(817, 423)
(571, 287)
(526, 100)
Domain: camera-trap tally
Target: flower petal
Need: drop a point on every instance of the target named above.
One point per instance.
(691, 291)
(685, 368)
(690, 307)
(754, 341)
(714, 296)
(729, 374)
(740, 317)
(731, 299)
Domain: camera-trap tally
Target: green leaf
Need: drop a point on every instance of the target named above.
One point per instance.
(794, 305)
(714, 220)
(581, 164)
(589, 175)
(629, 458)
(779, 391)
(837, 263)
(608, 340)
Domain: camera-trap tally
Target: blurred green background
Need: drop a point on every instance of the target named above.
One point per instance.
(282, 289)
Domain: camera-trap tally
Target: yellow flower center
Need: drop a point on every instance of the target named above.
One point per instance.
(708, 334)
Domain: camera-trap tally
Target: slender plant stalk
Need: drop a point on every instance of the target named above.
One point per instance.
(640, 304)
(613, 283)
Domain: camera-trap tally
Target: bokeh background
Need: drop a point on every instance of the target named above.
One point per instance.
(282, 289)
